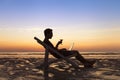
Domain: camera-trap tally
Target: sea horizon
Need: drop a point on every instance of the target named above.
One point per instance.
(89, 55)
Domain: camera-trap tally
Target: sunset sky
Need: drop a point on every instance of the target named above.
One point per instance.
(92, 25)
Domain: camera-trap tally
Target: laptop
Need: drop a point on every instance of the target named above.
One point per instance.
(71, 47)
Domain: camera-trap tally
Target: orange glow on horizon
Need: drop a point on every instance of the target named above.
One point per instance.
(101, 40)
(77, 46)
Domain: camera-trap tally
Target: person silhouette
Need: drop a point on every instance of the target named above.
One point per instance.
(49, 34)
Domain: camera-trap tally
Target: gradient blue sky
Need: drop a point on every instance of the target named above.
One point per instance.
(91, 23)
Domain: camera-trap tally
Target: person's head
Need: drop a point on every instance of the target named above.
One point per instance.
(48, 33)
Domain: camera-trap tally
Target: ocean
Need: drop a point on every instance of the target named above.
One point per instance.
(94, 55)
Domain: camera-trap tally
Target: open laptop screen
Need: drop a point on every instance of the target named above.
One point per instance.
(71, 47)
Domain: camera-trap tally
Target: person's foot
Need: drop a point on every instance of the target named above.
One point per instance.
(89, 64)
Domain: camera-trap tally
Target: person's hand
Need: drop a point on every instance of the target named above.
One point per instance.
(60, 42)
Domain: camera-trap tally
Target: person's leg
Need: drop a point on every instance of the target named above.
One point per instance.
(85, 62)
(65, 53)
(79, 56)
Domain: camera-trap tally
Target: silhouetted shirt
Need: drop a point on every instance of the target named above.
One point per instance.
(51, 45)
(48, 43)
(63, 52)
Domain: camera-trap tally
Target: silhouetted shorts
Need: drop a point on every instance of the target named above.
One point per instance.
(65, 53)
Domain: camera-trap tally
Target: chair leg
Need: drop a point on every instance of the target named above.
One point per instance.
(46, 73)
(46, 65)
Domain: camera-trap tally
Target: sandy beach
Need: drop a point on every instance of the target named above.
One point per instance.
(24, 69)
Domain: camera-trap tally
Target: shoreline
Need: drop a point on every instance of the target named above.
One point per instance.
(42, 56)
(24, 69)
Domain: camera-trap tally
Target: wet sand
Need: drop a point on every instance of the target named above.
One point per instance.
(24, 69)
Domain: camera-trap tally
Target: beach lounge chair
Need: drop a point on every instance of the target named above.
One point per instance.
(46, 58)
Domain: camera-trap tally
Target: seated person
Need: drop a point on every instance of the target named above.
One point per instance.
(48, 35)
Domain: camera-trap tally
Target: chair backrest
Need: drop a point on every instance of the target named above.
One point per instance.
(41, 42)
(55, 51)
(48, 47)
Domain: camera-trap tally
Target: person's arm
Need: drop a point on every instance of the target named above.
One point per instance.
(59, 42)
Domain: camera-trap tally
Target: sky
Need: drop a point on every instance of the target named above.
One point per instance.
(92, 25)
